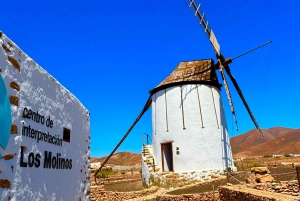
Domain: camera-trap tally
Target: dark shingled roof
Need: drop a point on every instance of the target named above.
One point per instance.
(198, 71)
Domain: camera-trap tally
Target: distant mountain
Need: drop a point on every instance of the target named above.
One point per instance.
(276, 140)
(121, 158)
(253, 137)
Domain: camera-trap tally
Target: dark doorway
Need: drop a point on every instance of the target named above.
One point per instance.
(167, 157)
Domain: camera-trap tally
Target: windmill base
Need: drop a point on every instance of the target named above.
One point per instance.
(175, 179)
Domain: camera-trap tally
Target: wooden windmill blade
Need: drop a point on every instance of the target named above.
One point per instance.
(195, 7)
(238, 89)
(228, 95)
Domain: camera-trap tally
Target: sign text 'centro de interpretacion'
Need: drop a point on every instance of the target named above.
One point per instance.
(54, 161)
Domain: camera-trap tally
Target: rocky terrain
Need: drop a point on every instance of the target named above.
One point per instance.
(121, 158)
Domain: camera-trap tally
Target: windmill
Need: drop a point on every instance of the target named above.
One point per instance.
(189, 131)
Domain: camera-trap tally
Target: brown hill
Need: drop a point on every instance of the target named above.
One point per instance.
(277, 140)
(288, 143)
(121, 158)
(253, 137)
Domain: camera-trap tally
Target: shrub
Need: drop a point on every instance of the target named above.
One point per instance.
(251, 165)
(105, 174)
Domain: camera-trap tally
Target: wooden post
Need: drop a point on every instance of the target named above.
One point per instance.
(153, 164)
(227, 174)
(214, 195)
(298, 174)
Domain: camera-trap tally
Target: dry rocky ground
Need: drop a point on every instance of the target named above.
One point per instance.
(127, 185)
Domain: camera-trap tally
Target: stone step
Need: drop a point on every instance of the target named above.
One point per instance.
(148, 156)
(156, 169)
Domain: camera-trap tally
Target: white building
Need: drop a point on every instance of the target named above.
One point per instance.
(189, 131)
(45, 151)
(95, 164)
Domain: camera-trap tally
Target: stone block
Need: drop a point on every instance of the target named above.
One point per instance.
(260, 170)
(250, 178)
(15, 86)
(264, 178)
(15, 63)
(4, 183)
(8, 156)
(14, 100)
(14, 129)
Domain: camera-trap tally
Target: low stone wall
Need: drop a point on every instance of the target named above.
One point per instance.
(193, 197)
(117, 178)
(118, 196)
(242, 192)
(173, 180)
(283, 187)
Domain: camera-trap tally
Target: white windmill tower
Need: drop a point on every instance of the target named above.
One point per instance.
(189, 131)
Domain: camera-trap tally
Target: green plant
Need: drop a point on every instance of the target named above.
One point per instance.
(251, 165)
(105, 174)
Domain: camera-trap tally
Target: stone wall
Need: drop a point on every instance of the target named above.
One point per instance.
(283, 187)
(242, 192)
(117, 196)
(194, 197)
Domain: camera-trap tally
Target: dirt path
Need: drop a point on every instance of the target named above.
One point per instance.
(151, 197)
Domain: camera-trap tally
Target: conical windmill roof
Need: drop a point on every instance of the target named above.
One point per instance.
(190, 72)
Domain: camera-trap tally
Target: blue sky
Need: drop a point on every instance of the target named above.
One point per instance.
(110, 53)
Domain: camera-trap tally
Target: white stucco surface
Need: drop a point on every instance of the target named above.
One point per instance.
(40, 92)
(194, 148)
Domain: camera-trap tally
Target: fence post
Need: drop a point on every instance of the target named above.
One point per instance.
(227, 174)
(153, 164)
(298, 174)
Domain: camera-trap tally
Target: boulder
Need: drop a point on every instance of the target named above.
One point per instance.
(260, 170)
(250, 178)
(264, 178)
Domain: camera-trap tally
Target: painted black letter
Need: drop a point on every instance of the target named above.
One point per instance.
(22, 164)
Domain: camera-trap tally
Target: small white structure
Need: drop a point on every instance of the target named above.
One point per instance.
(189, 132)
(45, 153)
(276, 155)
(95, 164)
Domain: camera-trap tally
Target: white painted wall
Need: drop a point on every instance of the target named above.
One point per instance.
(40, 92)
(200, 148)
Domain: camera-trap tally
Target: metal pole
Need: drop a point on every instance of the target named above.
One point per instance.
(252, 50)
(147, 139)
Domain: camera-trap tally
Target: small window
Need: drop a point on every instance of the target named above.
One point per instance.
(66, 135)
